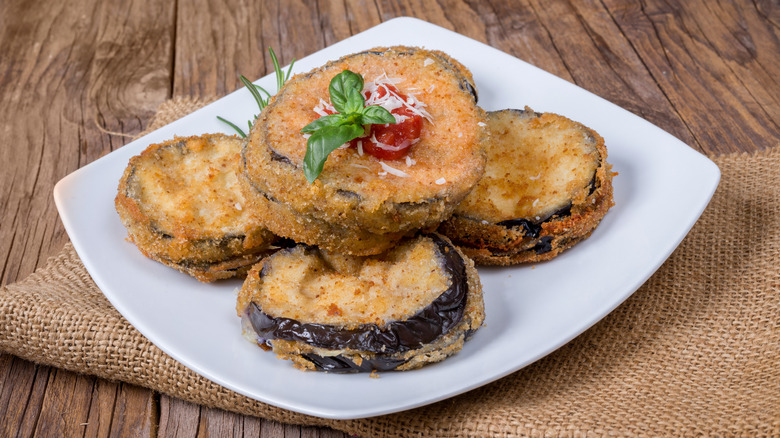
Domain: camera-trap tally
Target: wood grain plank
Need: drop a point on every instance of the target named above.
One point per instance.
(514, 28)
(21, 393)
(178, 418)
(35, 396)
(768, 11)
(134, 413)
(272, 429)
(297, 41)
(215, 42)
(232, 39)
(65, 407)
(27, 88)
(602, 61)
(317, 432)
(749, 49)
(219, 423)
(340, 20)
(455, 15)
(65, 66)
(129, 69)
(713, 101)
(101, 410)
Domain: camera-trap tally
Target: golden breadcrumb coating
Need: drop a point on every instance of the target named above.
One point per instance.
(546, 186)
(181, 205)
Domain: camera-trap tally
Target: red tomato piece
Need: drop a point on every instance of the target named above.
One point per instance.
(394, 139)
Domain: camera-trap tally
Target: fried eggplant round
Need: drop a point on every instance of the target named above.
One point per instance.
(308, 228)
(546, 186)
(412, 305)
(357, 192)
(181, 205)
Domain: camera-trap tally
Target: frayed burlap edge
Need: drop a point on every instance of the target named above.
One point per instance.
(695, 351)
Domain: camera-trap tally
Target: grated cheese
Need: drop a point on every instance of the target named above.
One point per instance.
(440, 181)
(427, 62)
(324, 108)
(392, 170)
(481, 124)
(392, 100)
(410, 161)
(534, 178)
(392, 148)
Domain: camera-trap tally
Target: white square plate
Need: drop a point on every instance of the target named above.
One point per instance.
(662, 189)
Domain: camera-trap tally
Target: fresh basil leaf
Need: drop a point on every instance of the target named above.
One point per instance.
(324, 141)
(345, 89)
(331, 119)
(377, 115)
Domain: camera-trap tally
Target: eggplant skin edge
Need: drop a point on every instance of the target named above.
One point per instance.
(496, 244)
(438, 318)
(466, 314)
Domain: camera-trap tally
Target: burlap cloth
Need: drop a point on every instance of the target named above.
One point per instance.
(695, 351)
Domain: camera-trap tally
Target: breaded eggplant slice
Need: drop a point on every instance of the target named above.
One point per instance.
(181, 205)
(412, 305)
(312, 229)
(546, 186)
(356, 191)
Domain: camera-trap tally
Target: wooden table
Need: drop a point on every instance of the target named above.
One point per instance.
(79, 79)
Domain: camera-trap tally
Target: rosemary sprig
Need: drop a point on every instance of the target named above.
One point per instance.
(236, 128)
(255, 90)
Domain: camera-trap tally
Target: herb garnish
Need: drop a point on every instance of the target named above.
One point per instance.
(281, 78)
(329, 132)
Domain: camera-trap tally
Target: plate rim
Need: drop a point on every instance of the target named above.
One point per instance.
(60, 189)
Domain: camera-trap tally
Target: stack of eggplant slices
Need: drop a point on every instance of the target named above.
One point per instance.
(359, 202)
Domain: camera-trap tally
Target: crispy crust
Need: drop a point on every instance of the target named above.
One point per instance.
(307, 228)
(180, 204)
(351, 192)
(490, 237)
(462, 71)
(388, 354)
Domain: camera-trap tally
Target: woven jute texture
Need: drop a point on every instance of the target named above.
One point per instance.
(695, 351)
